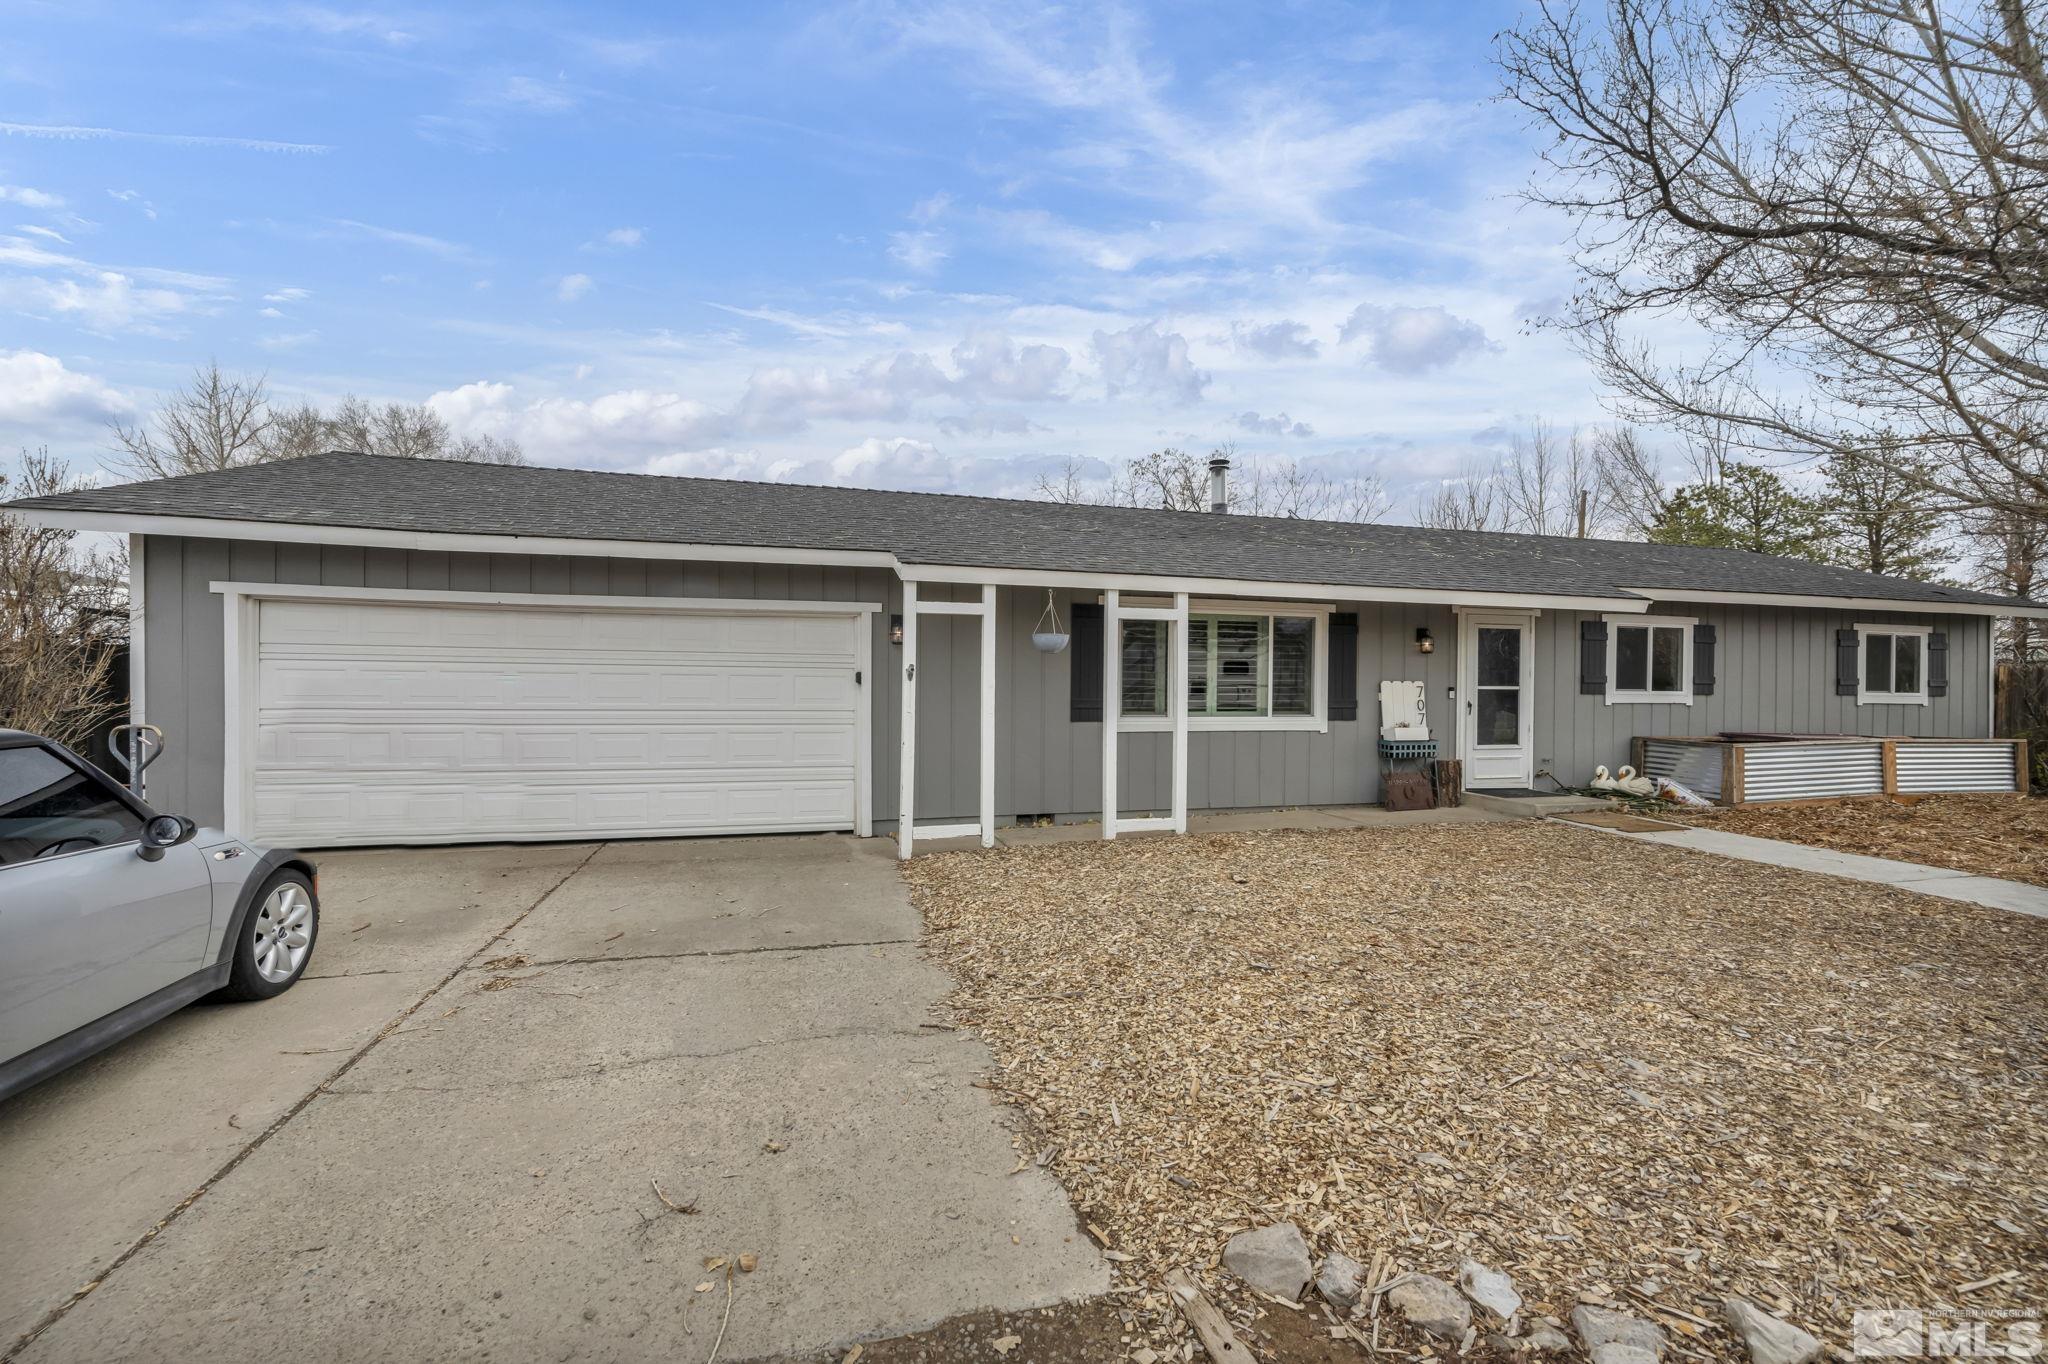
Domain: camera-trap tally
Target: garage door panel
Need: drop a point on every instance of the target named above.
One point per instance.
(403, 723)
(346, 684)
(393, 813)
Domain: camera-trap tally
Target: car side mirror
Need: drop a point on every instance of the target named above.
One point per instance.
(164, 831)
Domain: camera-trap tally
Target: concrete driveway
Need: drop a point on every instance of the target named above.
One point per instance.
(442, 1143)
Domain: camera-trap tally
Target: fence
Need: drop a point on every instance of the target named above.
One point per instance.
(2020, 705)
(1747, 769)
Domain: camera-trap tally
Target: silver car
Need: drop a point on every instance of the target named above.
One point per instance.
(112, 915)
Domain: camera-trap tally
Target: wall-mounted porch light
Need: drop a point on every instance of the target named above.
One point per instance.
(1423, 642)
(895, 629)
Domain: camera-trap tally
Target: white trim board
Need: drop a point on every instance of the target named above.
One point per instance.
(513, 600)
(285, 532)
(240, 602)
(1943, 608)
(138, 652)
(1616, 695)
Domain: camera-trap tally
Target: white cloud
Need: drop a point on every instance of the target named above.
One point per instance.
(1143, 359)
(1284, 340)
(99, 300)
(414, 241)
(1277, 425)
(71, 132)
(46, 233)
(289, 340)
(986, 423)
(1412, 340)
(990, 365)
(30, 198)
(620, 239)
(541, 97)
(922, 252)
(35, 387)
(572, 287)
(895, 462)
(588, 431)
(269, 312)
(291, 293)
(130, 196)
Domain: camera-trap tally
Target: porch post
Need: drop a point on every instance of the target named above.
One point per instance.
(1112, 704)
(988, 715)
(1177, 641)
(906, 750)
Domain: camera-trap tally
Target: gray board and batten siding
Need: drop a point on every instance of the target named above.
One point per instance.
(1775, 672)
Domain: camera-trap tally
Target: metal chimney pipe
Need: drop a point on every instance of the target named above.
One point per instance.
(1219, 488)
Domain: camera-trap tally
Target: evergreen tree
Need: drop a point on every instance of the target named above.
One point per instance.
(1746, 507)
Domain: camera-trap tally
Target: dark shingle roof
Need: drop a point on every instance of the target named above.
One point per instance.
(367, 491)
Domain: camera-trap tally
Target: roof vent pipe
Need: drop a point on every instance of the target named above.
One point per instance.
(1219, 491)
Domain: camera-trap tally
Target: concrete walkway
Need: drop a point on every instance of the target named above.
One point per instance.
(1989, 891)
(444, 1143)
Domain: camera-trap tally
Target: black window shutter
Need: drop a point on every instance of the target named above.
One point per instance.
(1085, 649)
(1847, 647)
(1703, 650)
(1937, 664)
(1344, 665)
(1592, 658)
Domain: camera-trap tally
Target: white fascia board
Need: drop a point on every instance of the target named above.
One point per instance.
(204, 528)
(1153, 583)
(1947, 608)
(402, 596)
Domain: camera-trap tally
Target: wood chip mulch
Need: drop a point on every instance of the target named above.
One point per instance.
(1602, 1066)
(2005, 836)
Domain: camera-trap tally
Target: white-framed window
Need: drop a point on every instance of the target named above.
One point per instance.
(1246, 667)
(1649, 659)
(1891, 665)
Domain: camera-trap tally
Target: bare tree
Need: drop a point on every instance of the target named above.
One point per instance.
(1175, 480)
(1469, 500)
(220, 421)
(1850, 198)
(1544, 478)
(63, 618)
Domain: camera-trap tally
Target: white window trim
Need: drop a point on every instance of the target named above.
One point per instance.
(1889, 698)
(1317, 721)
(1683, 696)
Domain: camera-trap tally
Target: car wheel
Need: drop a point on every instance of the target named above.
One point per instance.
(276, 939)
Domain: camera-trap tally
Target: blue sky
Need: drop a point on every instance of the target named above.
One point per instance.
(941, 246)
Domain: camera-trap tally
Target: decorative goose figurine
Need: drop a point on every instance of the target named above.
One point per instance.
(1601, 781)
(1627, 781)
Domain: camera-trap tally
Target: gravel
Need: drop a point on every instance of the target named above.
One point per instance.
(1615, 1071)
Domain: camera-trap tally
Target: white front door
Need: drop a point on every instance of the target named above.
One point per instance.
(1496, 679)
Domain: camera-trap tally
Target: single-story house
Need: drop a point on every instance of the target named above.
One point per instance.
(350, 649)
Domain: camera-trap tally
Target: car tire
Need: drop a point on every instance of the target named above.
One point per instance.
(276, 940)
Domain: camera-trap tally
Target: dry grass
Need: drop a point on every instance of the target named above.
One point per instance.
(1597, 1064)
(1985, 835)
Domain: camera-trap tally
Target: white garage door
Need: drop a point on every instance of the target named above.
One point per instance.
(378, 723)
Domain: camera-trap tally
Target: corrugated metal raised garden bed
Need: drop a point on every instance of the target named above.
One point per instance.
(1745, 769)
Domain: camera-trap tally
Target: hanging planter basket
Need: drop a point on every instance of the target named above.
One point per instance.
(1047, 636)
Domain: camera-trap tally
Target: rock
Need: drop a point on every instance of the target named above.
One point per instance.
(1545, 1339)
(1770, 1339)
(1489, 1288)
(1341, 1280)
(1618, 1338)
(1271, 1259)
(1432, 1304)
